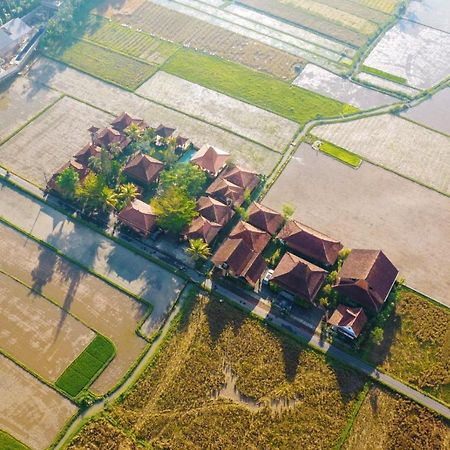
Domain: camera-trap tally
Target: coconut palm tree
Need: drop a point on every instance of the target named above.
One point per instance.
(109, 197)
(127, 193)
(198, 249)
(134, 132)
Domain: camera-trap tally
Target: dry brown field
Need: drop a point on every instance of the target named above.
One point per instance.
(29, 410)
(20, 101)
(197, 34)
(37, 333)
(48, 142)
(100, 306)
(110, 98)
(387, 421)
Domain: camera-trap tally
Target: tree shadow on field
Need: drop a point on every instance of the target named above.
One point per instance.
(43, 272)
(41, 75)
(291, 356)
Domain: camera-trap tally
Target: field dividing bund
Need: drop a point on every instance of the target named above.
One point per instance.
(274, 95)
(88, 366)
(36, 332)
(110, 312)
(10, 443)
(107, 97)
(105, 64)
(31, 411)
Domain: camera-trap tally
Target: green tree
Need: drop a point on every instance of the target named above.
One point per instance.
(110, 198)
(242, 213)
(175, 209)
(288, 211)
(189, 178)
(90, 193)
(134, 132)
(377, 335)
(67, 181)
(198, 249)
(127, 193)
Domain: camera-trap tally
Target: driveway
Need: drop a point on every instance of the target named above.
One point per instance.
(372, 208)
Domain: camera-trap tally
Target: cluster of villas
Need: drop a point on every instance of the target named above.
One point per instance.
(365, 278)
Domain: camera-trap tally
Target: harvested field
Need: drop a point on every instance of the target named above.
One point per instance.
(397, 144)
(303, 19)
(409, 222)
(389, 421)
(294, 103)
(416, 345)
(319, 80)
(234, 115)
(432, 13)
(433, 112)
(109, 311)
(419, 54)
(30, 411)
(54, 136)
(115, 100)
(383, 83)
(191, 32)
(36, 332)
(105, 64)
(174, 403)
(131, 42)
(20, 101)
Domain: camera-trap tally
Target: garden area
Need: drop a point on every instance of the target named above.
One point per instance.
(284, 394)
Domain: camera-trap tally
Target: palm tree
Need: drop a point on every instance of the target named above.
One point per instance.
(198, 249)
(95, 164)
(134, 132)
(127, 193)
(115, 149)
(109, 197)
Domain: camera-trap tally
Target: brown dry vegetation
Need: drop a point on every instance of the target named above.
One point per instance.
(197, 34)
(416, 346)
(172, 405)
(387, 421)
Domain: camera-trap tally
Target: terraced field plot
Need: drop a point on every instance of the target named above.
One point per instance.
(192, 32)
(109, 311)
(132, 42)
(105, 64)
(173, 403)
(433, 112)
(397, 144)
(387, 420)
(36, 332)
(318, 80)
(111, 98)
(419, 54)
(386, 84)
(48, 142)
(371, 208)
(31, 411)
(20, 101)
(234, 115)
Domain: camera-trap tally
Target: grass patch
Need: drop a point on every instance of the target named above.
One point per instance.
(104, 63)
(10, 443)
(173, 404)
(129, 41)
(254, 87)
(382, 74)
(87, 366)
(416, 345)
(341, 154)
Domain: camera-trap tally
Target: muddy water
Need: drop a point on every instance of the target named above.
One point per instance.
(230, 391)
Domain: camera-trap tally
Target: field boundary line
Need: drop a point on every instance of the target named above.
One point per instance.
(423, 125)
(36, 116)
(14, 439)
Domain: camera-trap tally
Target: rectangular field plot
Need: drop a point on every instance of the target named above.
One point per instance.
(319, 80)
(371, 208)
(20, 101)
(432, 13)
(48, 142)
(207, 37)
(105, 309)
(37, 333)
(419, 54)
(30, 411)
(116, 100)
(105, 64)
(397, 144)
(234, 115)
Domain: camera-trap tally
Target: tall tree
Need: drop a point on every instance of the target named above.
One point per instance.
(198, 249)
(110, 198)
(191, 179)
(90, 193)
(66, 182)
(175, 209)
(288, 211)
(134, 132)
(127, 193)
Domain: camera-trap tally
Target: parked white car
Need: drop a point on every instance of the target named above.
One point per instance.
(268, 276)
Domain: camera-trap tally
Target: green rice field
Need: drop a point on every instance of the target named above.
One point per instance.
(7, 442)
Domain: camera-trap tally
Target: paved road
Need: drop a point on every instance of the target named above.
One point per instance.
(262, 309)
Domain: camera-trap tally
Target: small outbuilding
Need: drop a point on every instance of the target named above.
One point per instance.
(138, 216)
(348, 321)
(144, 169)
(210, 159)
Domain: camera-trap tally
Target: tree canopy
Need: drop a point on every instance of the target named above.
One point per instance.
(175, 209)
(187, 177)
(67, 182)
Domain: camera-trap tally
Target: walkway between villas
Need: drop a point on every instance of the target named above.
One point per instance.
(294, 324)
